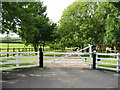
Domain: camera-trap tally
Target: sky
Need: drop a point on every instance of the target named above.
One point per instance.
(54, 10)
(56, 7)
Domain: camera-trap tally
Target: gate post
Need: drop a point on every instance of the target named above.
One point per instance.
(118, 62)
(8, 51)
(90, 51)
(94, 57)
(40, 58)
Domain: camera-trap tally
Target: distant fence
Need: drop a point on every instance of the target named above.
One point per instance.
(15, 50)
(108, 51)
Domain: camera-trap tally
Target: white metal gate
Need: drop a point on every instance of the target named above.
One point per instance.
(67, 59)
(75, 59)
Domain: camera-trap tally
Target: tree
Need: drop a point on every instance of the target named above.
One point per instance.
(29, 21)
(85, 23)
(108, 13)
(77, 24)
(113, 26)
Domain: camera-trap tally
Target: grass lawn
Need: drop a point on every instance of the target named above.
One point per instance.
(105, 61)
(14, 45)
(20, 64)
(107, 65)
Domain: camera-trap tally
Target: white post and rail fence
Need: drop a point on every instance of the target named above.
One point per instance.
(42, 59)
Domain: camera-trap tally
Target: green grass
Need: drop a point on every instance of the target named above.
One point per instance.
(14, 45)
(105, 61)
(20, 64)
(8, 65)
(108, 61)
(107, 65)
(20, 59)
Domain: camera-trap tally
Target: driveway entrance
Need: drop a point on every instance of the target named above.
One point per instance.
(59, 78)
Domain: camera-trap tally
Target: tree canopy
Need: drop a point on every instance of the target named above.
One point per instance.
(85, 23)
(82, 23)
(29, 20)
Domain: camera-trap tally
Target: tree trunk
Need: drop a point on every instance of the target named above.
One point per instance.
(43, 45)
(63, 47)
(112, 48)
(35, 48)
(82, 48)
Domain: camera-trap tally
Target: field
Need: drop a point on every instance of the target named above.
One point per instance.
(46, 48)
(14, 45)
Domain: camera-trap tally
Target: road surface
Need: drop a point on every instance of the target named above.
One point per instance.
(59, 78)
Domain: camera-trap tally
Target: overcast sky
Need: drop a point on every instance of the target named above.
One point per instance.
(54, 9)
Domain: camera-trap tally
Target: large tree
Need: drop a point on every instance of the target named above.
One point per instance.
(112, 35)
(90, 22)
(77, 24)
(29, 20)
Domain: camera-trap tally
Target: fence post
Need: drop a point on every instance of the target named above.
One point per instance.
(90, 48)
(0, 51)
(118, 62)
(17, 59)
(29, 49)
(19, 50)
(13, 51)
(7, 51)
(40, 58)
(54, 60)
(94, 57)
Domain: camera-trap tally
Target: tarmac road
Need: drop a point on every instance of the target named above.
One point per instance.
(59, 78)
